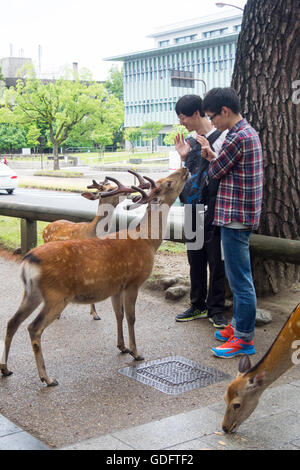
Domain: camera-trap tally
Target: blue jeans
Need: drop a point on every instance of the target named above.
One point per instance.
(238, 272)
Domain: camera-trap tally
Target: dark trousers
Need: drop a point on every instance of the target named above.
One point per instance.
(204, 294)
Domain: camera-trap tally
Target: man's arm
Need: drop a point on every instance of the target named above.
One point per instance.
(227, 158)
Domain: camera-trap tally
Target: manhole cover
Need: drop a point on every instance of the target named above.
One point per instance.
(174, 375)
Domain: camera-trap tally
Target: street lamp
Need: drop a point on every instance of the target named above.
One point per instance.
(221, 5)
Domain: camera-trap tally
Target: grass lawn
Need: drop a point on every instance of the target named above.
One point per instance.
(10, 232)
(96, 158)
(115, 157)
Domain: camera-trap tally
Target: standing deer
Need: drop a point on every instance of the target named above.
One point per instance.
(242, 395)
(91, 271)
(67, 230)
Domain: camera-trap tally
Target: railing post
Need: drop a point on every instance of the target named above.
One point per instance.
(28, 235)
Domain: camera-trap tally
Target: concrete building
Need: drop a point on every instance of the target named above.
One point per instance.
(11, 67)
(188, 57)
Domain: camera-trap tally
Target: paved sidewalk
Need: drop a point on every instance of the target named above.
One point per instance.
(14, 438)
(275, 424)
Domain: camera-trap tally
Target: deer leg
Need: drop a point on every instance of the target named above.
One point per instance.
(129, 302)
(94, 313)
(47, 315)
(27, 306)
(117, 303)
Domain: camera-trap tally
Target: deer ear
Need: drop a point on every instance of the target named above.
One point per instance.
(90, 196)
(244, 364)
(258, 379)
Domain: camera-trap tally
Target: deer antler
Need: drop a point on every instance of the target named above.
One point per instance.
(144, 199)
(99, 186)
(143, 184)
(121, 189)
(151, 181)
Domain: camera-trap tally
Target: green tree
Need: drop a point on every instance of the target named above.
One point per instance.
(115, 83)
(33, 135)
(133, 134)
(12, 137)
(2, 87)
(115, 86)
(151, 131)
(176, 129)
(63, 107)
(101, 127)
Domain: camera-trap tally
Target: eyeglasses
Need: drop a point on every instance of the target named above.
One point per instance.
(181, 118)
(211, 118)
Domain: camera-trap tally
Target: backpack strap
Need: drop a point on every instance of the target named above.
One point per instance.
(213, 137)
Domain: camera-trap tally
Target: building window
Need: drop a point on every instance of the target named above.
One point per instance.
(237, 28)
(182, 39)
(182, 78)
(215, 32)
(164, 43)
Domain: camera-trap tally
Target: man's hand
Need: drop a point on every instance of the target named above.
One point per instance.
(182, 146)
(206, 151)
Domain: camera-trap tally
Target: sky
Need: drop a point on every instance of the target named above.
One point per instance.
(87, 31)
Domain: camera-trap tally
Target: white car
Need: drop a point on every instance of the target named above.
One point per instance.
(8, 178)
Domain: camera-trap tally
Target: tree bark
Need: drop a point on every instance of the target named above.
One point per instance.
(55, 157)
(266, 77)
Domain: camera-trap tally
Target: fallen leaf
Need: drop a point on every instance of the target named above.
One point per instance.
(222, 443)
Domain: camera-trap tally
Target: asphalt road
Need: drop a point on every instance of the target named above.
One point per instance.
(42, 197)
(89, 174)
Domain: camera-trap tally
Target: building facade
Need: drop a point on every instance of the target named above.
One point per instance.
(189, 58)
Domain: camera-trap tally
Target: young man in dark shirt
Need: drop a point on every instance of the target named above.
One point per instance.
(207, 300)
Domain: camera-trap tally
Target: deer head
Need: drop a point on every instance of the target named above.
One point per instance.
(170, 187)
(242, 395)
(163, 191)
(112, 194)
(103, 186)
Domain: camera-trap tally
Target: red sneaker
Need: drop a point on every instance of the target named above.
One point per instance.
(234, 347)
(224, 335)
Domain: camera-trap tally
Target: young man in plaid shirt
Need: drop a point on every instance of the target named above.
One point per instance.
(239, 167)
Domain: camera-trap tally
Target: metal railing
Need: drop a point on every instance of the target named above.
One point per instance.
(279, 249)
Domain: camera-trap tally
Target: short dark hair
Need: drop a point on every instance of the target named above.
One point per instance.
(188, 105)
(216, 98)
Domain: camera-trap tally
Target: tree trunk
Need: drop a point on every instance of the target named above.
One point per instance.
(266, 77)
(55, 157)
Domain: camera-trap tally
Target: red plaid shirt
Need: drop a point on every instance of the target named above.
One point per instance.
(239, 167)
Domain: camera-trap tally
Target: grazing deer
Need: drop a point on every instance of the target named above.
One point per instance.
(66, 230)
(243, 393)
(90, 271)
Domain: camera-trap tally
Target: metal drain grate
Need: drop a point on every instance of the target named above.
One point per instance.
(174, 375)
